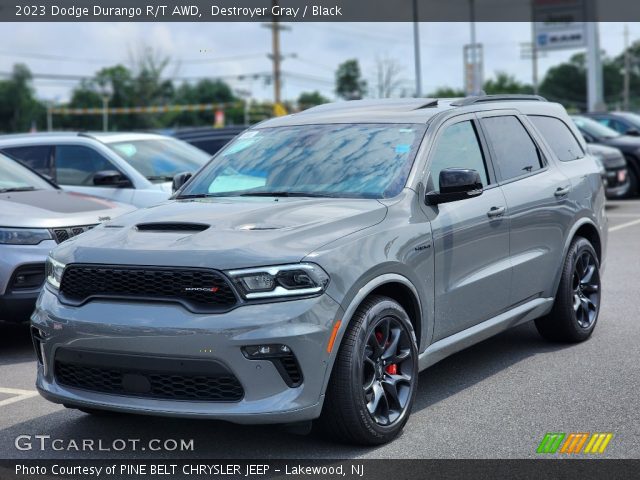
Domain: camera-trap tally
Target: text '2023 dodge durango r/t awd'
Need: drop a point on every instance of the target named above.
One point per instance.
(318, 262)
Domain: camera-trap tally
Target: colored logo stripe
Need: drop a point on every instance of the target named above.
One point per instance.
(550, 443)
(575, 442)
(598, 442)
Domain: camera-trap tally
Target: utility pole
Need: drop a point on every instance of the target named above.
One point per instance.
(476, 83)
(534, 59)
(594, 69)
(416, 48)
(627, 67)
(275, 55)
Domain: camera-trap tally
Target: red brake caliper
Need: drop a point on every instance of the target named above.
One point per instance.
(390, 369)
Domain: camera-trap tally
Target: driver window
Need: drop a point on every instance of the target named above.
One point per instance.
(458, 147)
(76, 165)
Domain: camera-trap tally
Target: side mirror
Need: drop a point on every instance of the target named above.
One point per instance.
(456, 184)
(111, 178)
(634, 132)
(180, 179)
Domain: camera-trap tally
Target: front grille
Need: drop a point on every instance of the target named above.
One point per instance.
(151, 377)
(198, 289)
(62, 234)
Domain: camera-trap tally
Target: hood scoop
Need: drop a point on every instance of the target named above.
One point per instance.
(172, 227)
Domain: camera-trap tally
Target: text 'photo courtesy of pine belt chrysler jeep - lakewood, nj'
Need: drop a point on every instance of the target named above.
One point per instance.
(321, 260)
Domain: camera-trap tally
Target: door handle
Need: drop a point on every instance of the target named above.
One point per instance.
(495, 212)
(562, 191)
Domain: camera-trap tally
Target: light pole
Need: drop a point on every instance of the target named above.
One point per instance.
(106, 96)
(416, 48)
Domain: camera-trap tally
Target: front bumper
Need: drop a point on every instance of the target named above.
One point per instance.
(16, 304)
(618, 182)
(170, 331)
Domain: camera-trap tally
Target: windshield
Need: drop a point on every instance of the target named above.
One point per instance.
(160, 159)
(337, 160)
(16, 177)
(594, 128)
(632, 118)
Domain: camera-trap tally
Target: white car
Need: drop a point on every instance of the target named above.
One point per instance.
(134, 168)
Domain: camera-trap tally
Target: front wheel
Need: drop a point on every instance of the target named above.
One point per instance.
(577, 304)
(375, 376)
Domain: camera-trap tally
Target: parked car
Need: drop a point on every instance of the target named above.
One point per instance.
(322, 259)
(35, 215)
(614, 169)
(625, 123)
(206, 138)
(595, 132)
(135, 168)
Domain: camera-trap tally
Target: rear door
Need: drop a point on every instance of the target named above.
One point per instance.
(537, 195)
(472, 271)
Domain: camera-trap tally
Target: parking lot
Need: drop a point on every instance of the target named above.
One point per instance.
(494, 400)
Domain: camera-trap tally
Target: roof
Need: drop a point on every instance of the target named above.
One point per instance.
(405, 110)
(104, 137)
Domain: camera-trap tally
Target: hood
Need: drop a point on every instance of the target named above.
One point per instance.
(56, 208)
(611, 158)
(626, 143)
(223, 233)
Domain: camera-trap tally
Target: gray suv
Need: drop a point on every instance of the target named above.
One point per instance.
(321, 260)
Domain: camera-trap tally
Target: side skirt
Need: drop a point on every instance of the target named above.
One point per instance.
(447, 346)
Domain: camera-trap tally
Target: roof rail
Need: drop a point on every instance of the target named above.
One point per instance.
(471, 100)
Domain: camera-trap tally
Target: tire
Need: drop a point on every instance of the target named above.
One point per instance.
(575, 311)
(360, 407)
(634, 183)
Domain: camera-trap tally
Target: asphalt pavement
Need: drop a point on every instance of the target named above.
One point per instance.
(494, 400)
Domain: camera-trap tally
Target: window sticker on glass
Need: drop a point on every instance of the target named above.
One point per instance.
(403, 148)
(239, 145)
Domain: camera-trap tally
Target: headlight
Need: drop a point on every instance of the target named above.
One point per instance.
(54, 270)
(23, 236)
(281, 281)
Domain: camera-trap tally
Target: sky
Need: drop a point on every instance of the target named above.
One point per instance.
(312, 51)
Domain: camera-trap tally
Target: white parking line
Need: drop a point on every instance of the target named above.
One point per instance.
(625, 225)
(18, 395)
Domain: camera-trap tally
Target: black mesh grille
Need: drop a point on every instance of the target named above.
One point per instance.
(287, 366)
(200, 290)
(62, 234)
(170, 385)
(171, 227)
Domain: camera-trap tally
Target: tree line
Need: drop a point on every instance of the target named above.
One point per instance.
(146, 85)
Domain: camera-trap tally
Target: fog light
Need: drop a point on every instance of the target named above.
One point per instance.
(255, 352)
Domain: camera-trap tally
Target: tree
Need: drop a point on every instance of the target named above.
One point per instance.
(19, 109)
(447, 92)
(567, 83)
(388, 80)
(505, 83)
(311, 99)
(204, 91)
(349, 82)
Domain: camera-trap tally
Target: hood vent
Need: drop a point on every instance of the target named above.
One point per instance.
(172, 227)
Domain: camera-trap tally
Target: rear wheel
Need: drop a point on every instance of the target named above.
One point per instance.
(375, 376)
(577, 304)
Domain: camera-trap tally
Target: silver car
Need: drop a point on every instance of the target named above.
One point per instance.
(321, 260)
(135, 168)
(35, 216)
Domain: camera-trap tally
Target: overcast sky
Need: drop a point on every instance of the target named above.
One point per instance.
(232, 49)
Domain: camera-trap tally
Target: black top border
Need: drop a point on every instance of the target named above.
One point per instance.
(319, 10)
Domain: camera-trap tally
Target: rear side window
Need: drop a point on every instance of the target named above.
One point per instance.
(515, 152)
(76, 165)
(559, 137)
(37, 157)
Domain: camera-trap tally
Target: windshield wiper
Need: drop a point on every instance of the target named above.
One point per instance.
(16, 189)
(285, 193)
